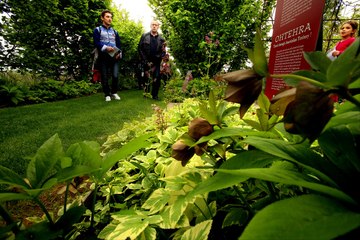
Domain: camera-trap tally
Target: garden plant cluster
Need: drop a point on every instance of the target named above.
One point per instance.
(16, 92)
(238, 167)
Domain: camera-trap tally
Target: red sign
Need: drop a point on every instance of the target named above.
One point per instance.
(296, 30)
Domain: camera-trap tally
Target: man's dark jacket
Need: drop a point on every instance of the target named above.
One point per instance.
(144, 47)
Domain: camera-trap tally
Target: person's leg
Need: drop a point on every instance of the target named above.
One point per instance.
(104, 78)
(115, 78)
(156, 81)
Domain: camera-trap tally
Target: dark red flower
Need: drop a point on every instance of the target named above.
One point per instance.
(182, 152)
(199, 127)
(309, 112)
(244, 87)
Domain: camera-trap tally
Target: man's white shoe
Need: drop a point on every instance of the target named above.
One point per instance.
(107, 99)
(116, 97)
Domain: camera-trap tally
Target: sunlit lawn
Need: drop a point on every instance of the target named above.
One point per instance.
(24, 129)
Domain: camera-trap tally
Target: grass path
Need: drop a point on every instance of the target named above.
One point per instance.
(24, 129)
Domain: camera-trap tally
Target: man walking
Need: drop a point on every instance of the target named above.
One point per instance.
(107, 42)
(151, 51)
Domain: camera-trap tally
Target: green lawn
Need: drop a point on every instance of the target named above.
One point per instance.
(24, 129)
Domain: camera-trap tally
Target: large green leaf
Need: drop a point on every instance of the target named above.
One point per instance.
(263, 102)
(254, 124)
(341, 145)
(157, 201)
(42, 165)
(224, 111)
(297, 153)
(346, 107)
(173, 214)
(148, 234)
(129, 225)
(342, 70)
(198, 232)
(236, 216)
(14, 196)
(318, 61)
(40, 231)
(129, 148)
(303, 217)
(209, 113)
(350, 117)
(7, 176)
(263, 117)
(234, 131)
(85, 153)
(71, 216)
(260, 60)
(127, 230)
(290, 178)
(291, 81)
(243, 160)
(74, 171)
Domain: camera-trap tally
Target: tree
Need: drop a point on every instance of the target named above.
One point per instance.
(50, 37)
(233, 23)
(130, 33)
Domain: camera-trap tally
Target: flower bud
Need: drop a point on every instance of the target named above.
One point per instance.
(199, 127)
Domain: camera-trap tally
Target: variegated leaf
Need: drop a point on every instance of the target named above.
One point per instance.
(198, 232)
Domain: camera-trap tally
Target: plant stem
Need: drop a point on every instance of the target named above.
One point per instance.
(273, 194)
(247, 205)
(207, 205)
(300, 78)
(211, 159)
(352, 99)
(200, 210)
(66, 195)
(43, 208)
(8, 219)
(93, 206)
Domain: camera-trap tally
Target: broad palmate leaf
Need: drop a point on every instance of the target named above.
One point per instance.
(303, 217)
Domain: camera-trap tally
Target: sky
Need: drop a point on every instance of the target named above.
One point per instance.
(138, 10)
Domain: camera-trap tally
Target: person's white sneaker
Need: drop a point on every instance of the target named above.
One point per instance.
(116, 97)
(107, 99)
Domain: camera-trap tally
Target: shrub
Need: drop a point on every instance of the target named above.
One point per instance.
(17, 89)
(11, 95)
(196, 88)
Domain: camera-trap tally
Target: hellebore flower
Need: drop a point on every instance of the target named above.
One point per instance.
(244, 87)
(182, 152)
(309, 112)
(198, 127)
(281, 100)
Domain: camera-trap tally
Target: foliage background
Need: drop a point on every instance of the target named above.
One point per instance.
(185, 24)
(56, 41)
